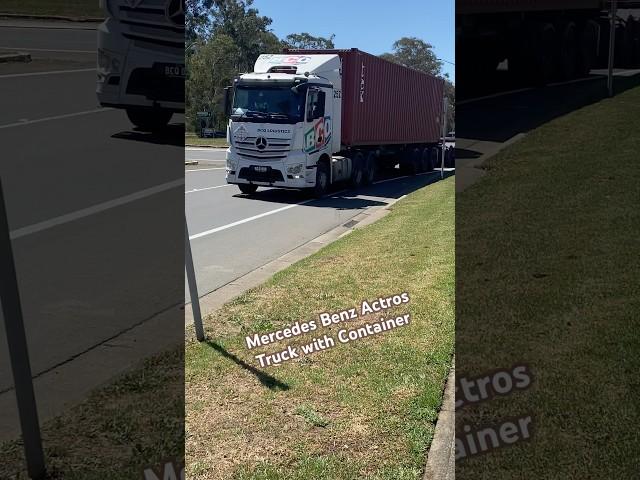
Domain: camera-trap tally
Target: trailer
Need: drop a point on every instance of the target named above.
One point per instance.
(306, 119)
(541, 41)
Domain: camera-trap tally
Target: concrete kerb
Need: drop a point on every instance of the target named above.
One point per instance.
(211, 302)
(441, 462)
(15, 57)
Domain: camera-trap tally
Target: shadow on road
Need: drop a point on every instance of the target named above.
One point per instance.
(351, 199)
(265, 379)
(172, 135)
(498, 119)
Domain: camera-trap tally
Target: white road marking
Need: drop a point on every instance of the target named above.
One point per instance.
(51, 72)
(204, 169)
(246, 220)
(86, 212)
(24, 122)
(282, 209)
(195, 190)
(29, 49)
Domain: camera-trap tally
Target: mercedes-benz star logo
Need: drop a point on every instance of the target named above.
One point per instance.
(174, 11)
(261, 143)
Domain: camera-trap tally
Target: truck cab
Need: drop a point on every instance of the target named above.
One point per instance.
(284, 123)
(141, 60)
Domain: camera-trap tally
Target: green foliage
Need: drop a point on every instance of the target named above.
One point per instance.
(306, 40)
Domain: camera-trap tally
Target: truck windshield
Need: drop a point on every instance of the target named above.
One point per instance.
(272, 104)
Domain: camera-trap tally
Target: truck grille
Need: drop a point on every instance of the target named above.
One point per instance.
(275, 148)
(158, 22)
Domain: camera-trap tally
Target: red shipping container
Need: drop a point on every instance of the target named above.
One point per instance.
(384, 103)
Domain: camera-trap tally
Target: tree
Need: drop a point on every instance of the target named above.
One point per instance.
(415, 53)
(307, 41)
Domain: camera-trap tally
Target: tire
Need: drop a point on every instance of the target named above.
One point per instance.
(569, 52)
(411, 162)
(322, 180)
(427, 161)
(435, 158)
(588, 48)
(357, 170)
(370, 172)
(247, 188)
(149, 119)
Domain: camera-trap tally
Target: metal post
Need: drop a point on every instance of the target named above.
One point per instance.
(445, 109)
(19, 352)
(193, 287)
(612, 44)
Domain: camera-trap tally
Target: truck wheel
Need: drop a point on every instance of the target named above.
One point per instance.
(411, 162)
(569, 52)
(427, 163)
(247, 188)
(370, 173)
(588, 48)
(322, 180)
(435, 158)
(149, 119)
(357, 170)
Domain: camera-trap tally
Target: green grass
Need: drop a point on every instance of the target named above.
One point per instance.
(129, 425)
(193, 139)
(547, 247)
(361, 410)
(66, 8)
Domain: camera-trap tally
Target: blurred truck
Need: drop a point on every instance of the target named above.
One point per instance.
(307, 119)
(541, 40)
(141, 60)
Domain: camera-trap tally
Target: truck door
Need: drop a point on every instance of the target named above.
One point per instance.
(317, 120)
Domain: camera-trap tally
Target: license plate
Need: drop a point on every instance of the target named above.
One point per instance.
(260, 169)
(174, 70)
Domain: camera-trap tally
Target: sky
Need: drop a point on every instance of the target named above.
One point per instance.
(371, 26)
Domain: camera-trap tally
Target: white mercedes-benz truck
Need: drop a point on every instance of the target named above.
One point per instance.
(141, 60)
(306, 119)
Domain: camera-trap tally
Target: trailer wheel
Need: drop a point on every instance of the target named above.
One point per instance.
(569, 52)
(149, 119)
(435, 158)
(427, 160)
(370, 173)
(247, 188)
(411, 162)
(357, 170)
(322, 179)
(588, 48)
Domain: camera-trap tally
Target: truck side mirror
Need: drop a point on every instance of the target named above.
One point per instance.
(228, 91)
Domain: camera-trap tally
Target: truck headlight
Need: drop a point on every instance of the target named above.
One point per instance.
(295, 169)
(108, 62)
(231, 164)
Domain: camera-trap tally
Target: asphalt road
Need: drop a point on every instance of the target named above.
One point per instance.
(233, 234)
(95, 207)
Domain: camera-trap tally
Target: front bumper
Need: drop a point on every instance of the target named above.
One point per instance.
(269, 173)
(129, 75)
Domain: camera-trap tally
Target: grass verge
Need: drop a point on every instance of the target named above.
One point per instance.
(123, 428)
(193, 139)
(359, 410)
(547, 247)
(80, 9)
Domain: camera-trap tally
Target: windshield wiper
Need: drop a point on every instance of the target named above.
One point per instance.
(251, 113)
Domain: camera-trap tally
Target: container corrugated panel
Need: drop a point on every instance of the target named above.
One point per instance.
(495, 6)
(384, 103)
